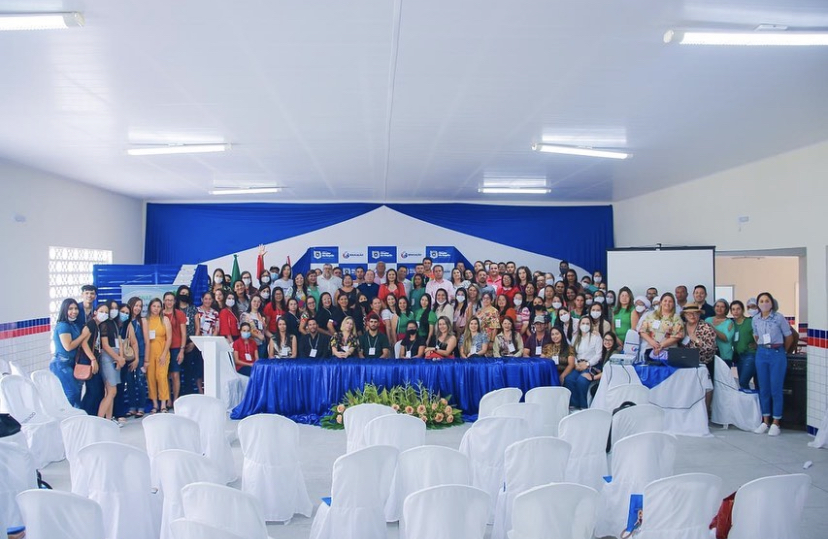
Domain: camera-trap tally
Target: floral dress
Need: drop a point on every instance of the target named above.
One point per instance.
(338, 343)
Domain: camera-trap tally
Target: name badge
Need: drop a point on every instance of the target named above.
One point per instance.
(618, 323)
(248, 358)
(556, 359)
(766, 338)
(152, 334)
(736, 337)
(472, 350)
(285, 351)
(372, 351)
(346, 349)
(408, 354)
(313, 352)
(538, 350)
(511, 348)
(656, 324)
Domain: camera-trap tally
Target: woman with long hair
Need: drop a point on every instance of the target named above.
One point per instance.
(622, 317)
(324, 315)
(474, 342)
(68, 337)
(411, 344)
(443, 343)
(460, 311)
(442, 305)
(178, 323)
(348, 290)
(504, 307)
(391, 286)
(135, 380)
(274, 310)
(293, 316)
(402, 316)
(524, 277)
(489, 317)
(229, 317)
(345, 343)
(587, 356)
(426, 319)
(309, 312)
(300, 290)
(508, 288)
(417, 289)
(387, 316)
(111, 359)
(258, 324)
(207, 324)
(285, 280)
(160, 339)
(662, 328)
(508, 342)
(283, 343)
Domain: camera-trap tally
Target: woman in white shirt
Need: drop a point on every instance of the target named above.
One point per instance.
(442, 307)
(587, 356)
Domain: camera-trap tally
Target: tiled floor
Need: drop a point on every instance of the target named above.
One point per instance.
(735, 456)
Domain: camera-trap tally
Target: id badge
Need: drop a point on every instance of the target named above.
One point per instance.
(556, 359)
(372, 351)
(538, 350)
(511, 348)
(285, 351)
(152, 334)
(312, 352)
(617, 323)
(656, 324)
(408, 354)
(736, 337)
(248, 358)
(766, 338)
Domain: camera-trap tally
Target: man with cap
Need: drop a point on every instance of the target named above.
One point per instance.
(372, 343)
(539, 343)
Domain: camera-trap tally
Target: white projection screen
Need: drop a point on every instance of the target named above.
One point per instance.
(665, 268)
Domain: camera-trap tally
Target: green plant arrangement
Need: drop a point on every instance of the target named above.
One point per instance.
(435, 410)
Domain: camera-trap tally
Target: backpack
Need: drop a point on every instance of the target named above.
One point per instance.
(625, 404)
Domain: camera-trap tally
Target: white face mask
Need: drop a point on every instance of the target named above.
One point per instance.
(265, 279)
(518, 302)
(588, 302)
(565, 318)
(72, 318)
(610, 300)
(595, 314)
(599, 299)
(461, 299)
(102, 317)
(752, 312)
(441, 302)
(640, 308)
(230, 302)
(246, 281)
(585, 328)
(597, 280)
(113, 313)
(556, 305)
(265, 296)
(765, 307)
(218, 280)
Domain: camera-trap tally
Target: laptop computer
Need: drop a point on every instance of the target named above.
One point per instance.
(683, 358)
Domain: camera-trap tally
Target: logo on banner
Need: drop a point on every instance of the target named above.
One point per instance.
(325, 254)
(382, 254)
(440, 254)
(411, 254)
(351, 254)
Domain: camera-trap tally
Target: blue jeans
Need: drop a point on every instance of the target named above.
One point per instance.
(64, 369)
(135, 386)
(578, 385)
(771, 365)
(747, 369)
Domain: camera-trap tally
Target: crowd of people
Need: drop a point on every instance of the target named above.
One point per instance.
(493, 309)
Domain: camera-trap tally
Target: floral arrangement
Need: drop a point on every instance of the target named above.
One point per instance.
(418, 401)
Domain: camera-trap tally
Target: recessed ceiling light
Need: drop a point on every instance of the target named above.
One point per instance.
(514, 190)
(765, 35)
(40, 21)
(247, 191)
(178, 148)
(579, 150)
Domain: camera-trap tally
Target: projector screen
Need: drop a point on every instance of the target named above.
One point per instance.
(664, 268)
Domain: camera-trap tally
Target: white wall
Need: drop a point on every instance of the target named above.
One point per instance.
(57, 212)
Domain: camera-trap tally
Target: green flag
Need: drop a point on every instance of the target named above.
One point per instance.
(235, 274)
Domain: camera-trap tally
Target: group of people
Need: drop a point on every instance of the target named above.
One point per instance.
(488, 310)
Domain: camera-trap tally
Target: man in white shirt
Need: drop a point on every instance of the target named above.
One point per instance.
(402, 278)
(379, 274)
(328, 282)
(438, 282)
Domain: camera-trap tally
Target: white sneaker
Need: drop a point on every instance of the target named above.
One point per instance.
(774, 430)
(762, 429)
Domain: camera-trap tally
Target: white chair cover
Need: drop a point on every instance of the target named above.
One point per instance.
(211, 415)
(225, 508)
(637, 461)
(618, 395)
(80, 431)
(432, 513)
(191, 529)
(498, 397)
(234, 383)
(356, 417)
(117, 476)
(5, 368)
(632, 342)
(175, 470)
(50, 514)
(271, 472)
(18, 396)
(557, 510)
(430, 466)
(17, 370)
(52, 396)
(778, 499)
(17, 473)
(485, 444)
(529, 463)
(403, 432)
(731, 406)
(821, 438)
(361, 484)
(636, 419)
(614, 375)
(587, 432)
(532, 413)
(681, 507)
(554, 401)
(170, 431)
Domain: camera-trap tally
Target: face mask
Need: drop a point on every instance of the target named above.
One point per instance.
(245, 334)
(585, 283)
(557, 304)
(461, 298)
(640, 308)
(518, 302)
(599, 300)
(265, 295)
(610, 300)
(113, 313)
(585, 328)
(273, 275)
(123, 317)
(184, 298)
(265, 279)
(72, 318)
(564, 318)
(441, 302)
(588, 302)
(765, 307)
(752, 312)
(218, 280)
(486, 266)
(246, 281)
(597, 280)
(595, 314)
(230, 302)
(411, 332)
(102, 317)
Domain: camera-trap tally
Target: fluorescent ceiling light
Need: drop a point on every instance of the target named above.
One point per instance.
(178, 148)
(513, 190)
(578, 150)
(758, 37)
(40, 21)
(513, 182)
(247, 191)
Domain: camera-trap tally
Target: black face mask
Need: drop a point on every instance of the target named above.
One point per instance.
(365, 304)
(411, 332)
(184, 298)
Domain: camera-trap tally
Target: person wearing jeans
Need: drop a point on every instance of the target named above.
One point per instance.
(744, 344)
(67, 337)
(772, 334)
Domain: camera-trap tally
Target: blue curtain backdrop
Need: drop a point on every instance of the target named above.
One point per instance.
(190, 233)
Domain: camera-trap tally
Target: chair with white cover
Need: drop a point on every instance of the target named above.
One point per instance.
(618, 395)
(191, 529)
(225, 508)
(498, 397)
(170, 431)
(80, 431)
(359, 492)
(432, 513)
(587, 432)
(356, 417)
(730, 405)
(17, 473)
(175, 470)
(50, 513)
(271, 472)
(19, 397)
(234, 384)
(211, 415)
(681, 507)
(637, 461)
(636, 419)
(532, 413)
(779, 499)
(17, 370)
(528, 463)
(485, 444)
(130, 509)
(404, 432)
(556, 510)
(632, 342)
(52, 396)
(554, 401)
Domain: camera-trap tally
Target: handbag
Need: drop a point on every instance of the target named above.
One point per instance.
(127, 350)
(82, 372)
(9, 426)
(723, 520)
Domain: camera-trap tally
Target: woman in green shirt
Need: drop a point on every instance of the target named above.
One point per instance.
(622, 315)
(426, 318)
(744, 345)
(417, 289)
(401, 317)
(725, 329)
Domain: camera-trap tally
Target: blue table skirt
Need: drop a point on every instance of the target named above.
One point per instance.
(305, 389)
(652, 375)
